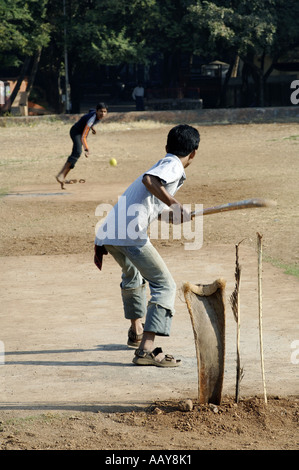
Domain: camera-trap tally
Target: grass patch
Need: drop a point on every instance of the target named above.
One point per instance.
(291, 269)
(20, 422)
(294, 138)
(3, 192)
(291, 137)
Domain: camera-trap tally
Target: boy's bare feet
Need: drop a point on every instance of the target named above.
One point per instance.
(62, 175)
(60, 181)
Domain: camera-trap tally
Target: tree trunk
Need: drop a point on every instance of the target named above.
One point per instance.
(19, 82)
(232, 69)
(170, 69)
(261, 90)
(35, 64)
(253, 97)
(262, 82)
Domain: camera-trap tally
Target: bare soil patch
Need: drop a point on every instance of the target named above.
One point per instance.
(248, 425)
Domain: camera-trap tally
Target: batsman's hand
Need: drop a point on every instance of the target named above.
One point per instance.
(179, 214)
(86, 152)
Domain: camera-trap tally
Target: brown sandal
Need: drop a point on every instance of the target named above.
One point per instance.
(145, 358)
(73, 181)
(134, 340)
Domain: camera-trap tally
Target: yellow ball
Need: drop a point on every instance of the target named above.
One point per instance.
(113, 162)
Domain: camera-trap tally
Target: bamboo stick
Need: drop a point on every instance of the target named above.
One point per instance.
(260, 267)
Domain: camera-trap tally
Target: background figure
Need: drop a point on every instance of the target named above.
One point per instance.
(138, 97)
(78, 133)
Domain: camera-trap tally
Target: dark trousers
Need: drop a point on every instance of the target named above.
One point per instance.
(139, 103)
(77, 148)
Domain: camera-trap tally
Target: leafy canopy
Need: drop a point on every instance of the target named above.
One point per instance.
(23, 29)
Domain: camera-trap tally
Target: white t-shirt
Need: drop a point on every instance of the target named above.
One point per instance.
(127, 223)
(138, 91)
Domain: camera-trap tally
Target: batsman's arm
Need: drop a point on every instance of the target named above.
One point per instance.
(154, 186)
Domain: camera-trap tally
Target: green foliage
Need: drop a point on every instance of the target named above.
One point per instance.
(23, 29)
(244, 26)
(114, 32)
(172, 32)
(287, 29)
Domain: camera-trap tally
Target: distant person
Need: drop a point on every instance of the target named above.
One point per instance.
(79, 132)
(138, 97)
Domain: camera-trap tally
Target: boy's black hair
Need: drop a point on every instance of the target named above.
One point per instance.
(182, 140)
(101, 106)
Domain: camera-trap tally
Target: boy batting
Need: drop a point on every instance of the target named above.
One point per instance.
(124, 236)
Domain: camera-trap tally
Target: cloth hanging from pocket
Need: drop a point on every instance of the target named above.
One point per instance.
(99, 252)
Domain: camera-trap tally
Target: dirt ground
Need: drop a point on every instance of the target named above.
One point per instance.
(67, 379)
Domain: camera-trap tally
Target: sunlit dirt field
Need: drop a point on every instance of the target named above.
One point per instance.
(39, 220)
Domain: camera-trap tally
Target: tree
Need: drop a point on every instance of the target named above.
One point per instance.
(248, 29)
(23, 32)
(112, 31)
(98, 32)
(174, 39)
(287, 32)
(118, 32)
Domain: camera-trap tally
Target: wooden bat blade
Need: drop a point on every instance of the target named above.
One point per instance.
(237, 205)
